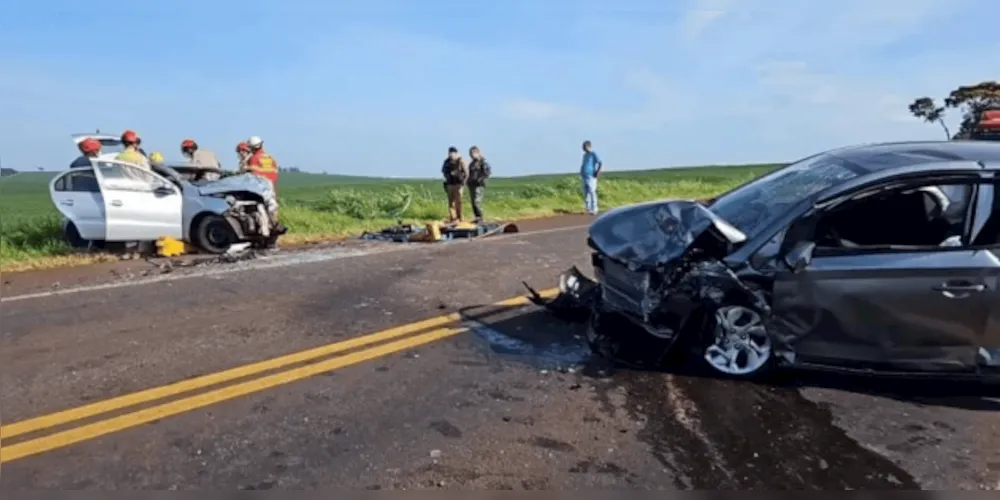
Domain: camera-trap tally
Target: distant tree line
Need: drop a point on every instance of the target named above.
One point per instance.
(970, 100)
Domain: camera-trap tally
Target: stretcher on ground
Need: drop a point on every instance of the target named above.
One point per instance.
(438, 231)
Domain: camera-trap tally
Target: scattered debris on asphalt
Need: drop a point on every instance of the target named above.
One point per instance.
(438, 232)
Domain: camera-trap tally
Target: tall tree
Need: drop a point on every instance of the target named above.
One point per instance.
(969, 100)
(927, 110)
(973, 100)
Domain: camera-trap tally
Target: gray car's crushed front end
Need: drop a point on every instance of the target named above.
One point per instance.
(660, 266)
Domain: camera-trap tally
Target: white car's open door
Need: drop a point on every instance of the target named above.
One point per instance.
(77, 195)
(139, 204)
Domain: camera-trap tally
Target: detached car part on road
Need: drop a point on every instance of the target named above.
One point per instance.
(115, 201)
(878, 258)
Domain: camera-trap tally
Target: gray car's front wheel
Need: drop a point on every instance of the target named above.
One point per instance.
(738, 344)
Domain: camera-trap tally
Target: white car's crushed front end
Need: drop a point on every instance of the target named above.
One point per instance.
(252, 205)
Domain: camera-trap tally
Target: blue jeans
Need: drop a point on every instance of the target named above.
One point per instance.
(589, 193)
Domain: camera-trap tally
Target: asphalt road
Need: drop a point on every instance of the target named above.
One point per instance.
(456, 389)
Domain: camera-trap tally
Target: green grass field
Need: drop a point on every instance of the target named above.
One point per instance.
(317, 206)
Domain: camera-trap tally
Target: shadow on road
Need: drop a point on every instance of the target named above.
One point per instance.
(960, 394)
(710, 433)
(533, 335)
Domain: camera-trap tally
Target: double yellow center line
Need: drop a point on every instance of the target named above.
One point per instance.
(312, 362)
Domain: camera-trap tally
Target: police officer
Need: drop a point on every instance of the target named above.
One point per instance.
(456, 174)
(131, 153)
(479, 171)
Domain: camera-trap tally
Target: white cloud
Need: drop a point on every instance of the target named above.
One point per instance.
(697, 19)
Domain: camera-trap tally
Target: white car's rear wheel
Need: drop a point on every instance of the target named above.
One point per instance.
(72, 236)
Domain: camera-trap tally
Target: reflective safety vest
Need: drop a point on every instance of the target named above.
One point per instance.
(132, 156)
(263, 164)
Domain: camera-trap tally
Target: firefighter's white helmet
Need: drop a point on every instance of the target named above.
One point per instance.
(255, 142)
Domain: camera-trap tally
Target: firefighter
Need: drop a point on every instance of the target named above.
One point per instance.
(243, 154)
(456, 174)
(90, 149)
(479, 171)
(138, 147)
(131, 153)
(260, 163)
(212, 168)
(198, 156)
(156, 159)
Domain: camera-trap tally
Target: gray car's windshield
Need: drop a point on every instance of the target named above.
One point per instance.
(753, 206)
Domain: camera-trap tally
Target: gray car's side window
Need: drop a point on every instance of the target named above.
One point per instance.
(904, 219)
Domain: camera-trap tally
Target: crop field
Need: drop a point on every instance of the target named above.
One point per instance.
(318, 206)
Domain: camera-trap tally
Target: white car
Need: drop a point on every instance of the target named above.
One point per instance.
(115, 201)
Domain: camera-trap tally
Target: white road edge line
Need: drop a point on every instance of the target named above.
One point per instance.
(269, 262)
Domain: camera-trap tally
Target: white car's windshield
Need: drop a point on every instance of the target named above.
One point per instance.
(753, 206)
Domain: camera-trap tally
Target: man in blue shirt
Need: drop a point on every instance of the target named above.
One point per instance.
(590, 170)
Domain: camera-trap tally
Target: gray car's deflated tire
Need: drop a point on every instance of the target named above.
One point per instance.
(213, 234)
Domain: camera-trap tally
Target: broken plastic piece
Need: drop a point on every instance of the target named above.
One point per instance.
(237, 248)
(577, 297)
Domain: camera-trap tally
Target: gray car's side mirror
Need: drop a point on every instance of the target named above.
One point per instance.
(800, 255)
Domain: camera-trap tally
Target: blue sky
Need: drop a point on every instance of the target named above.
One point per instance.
(383, 87)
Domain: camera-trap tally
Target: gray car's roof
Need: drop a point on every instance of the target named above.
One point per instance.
(876, 157)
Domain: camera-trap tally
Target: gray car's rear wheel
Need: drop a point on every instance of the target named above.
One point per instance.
(213, 234)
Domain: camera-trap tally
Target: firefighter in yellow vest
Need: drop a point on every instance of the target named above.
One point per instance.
(131, 153)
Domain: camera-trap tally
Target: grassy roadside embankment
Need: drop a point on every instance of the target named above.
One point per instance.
(321, 207)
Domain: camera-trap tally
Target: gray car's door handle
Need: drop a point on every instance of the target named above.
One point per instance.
(68, 203)
(116, 203)
(959, 288)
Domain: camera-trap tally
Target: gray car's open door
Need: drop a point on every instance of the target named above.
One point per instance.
(986, 235)
(921, 309)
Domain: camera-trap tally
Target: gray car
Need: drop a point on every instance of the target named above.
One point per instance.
(881, 257)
